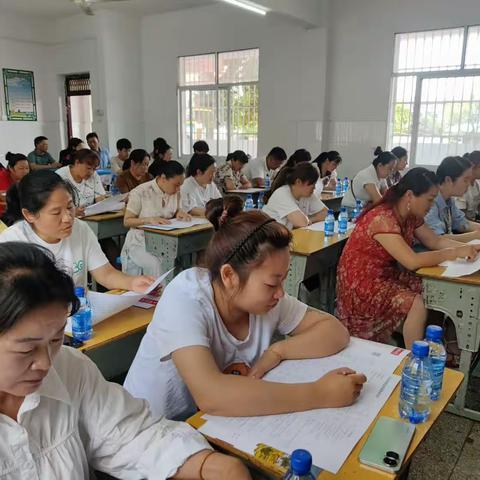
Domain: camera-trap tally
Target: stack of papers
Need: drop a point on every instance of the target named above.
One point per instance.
(248, 190)
(176, 224)
(320, 227)
(329, 434)
(111, 204)
(460, 266)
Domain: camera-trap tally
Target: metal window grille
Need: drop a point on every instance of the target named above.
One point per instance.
(78, 85)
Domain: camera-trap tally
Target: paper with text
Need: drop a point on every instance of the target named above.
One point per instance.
(176, 224)
(110, 204)
(320, 227)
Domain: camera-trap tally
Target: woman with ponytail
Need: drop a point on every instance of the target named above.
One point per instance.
(327, 163)
(377, 289)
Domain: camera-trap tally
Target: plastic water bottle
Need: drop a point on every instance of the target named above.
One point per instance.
(329, 224)
(438, 357)
(343, 221)
(416, 386)
(260, 201)
(357, 210)
(346, 184)
(267, 181)
(338, 188)
(249, 203)
(300, 466)
(113, 185)
(82, 321)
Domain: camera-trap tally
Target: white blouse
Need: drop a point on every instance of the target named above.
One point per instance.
(77, 419)
(195, 195)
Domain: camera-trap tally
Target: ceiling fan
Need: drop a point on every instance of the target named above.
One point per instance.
(86, 5)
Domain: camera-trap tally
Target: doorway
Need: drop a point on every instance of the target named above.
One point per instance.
(78, 102)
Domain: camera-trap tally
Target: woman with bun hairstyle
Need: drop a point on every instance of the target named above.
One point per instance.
(327, 163)
(209, 344)
(367, 183)
(400, 167)
(377, 289)
(17, 168)
(292, 200)
(220, 210)
(162, 152)
(135, 171)
(153, 202)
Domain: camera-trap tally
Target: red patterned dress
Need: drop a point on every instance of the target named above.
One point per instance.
(374, 293)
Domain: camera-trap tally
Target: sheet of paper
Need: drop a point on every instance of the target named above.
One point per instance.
(248, 190)
(320, 227)
(176, 224)
(460, 266)
(110, 204)
(329, 434)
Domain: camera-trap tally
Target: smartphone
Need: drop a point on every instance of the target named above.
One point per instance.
(387, 444)
(72, 342)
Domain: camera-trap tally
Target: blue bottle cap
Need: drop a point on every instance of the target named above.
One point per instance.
(79, 291)
(346, 178)
(301, 462)
(434, 332)
(330, 211)
(420, 349)
(343, 209)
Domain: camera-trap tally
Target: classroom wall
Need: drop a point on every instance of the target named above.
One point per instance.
(292, 70)
(360, 59)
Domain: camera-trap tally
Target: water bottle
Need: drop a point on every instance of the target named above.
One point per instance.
(300, 466)
(113, 185)
(416, 386)
(346, 184)
(260, 201)
(438, 357)
(267, 181)
(82, 321)
(249, 203)
(338, 188)
(329, 224)
(343, 221)
(357, 210)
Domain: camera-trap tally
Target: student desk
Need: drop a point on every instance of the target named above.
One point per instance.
(254, 192)
(459, 298)
(314, 254)
(331, 200)
(107, 225)
(178, 248)
(352, 468)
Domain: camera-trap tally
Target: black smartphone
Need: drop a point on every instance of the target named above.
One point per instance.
(72, 342)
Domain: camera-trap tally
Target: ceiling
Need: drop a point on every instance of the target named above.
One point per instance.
(64, 8)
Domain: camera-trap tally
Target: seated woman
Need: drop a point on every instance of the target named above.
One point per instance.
(84, 179)
(154, 202)
(469, 203)
(377, 289)
(444, 217)
(367, 184)
(17, 168)
(162, 152)
(327, 163)
(219, 320)
(55, 405)
(43, 209)
(400, 167)
(135, 171)
(65, 157)
(220, 210)
(198, 188)
(292, 200)
(230, 176)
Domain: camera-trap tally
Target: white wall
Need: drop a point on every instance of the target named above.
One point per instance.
(360, 60)
(292, 70)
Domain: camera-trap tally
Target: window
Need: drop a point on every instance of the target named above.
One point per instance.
(435, 94)
(218, 101)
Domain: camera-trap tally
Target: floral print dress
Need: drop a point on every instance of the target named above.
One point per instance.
(375, 293)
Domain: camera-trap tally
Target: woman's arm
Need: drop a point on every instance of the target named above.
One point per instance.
(373, 192)
(298, 219)
(100, 198)
(319, 216)
(112, 279)
(197, 212)
(130, 220)
(245, 182)
(473, 226)
(229, 185)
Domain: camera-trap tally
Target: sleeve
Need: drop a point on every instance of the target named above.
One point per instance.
(99, 190)
(282, 203)
(215, 191)
(434, 222)
(383, 223)
(291, 313)
(459, 221)
(315, 205)
(187, 202)
(50, 158)
(121, 437)
(94, 256)
(31, 157)
(134, 204)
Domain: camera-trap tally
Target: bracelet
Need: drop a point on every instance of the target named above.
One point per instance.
(211, 452)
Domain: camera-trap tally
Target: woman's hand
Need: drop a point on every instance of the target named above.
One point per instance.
(269, 359)
(141, 283)
(468, 252)
(184, 216)
(79, 212)
(158, 221)
(339, 388)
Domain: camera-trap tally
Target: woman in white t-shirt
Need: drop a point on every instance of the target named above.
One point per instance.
(153, 202)
(369, 183)
(198, 188)
(327, 163)
(292, 200)
(43, 209)
(219, 320)
(84, 179)
(59, 418)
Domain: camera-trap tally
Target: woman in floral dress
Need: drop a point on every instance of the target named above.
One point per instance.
(377, 290)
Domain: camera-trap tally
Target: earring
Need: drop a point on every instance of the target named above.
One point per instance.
(408, 206)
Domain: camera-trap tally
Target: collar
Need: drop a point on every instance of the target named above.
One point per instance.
(40, 154)
(157, 189)
(442, 204)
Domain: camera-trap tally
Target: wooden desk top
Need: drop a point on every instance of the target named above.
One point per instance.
(103, 216)
(181, 231)
(352, 468)
(329, 195)
(436, 272)
(307, 242)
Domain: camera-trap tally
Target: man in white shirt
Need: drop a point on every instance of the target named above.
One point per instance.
(123, 152)
(258, 168)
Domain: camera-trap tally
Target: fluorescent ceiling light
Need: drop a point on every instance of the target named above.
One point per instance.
(252, 7)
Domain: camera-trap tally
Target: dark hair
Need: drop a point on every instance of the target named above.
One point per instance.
(136, 156)
(199, 161)
(303, 171)
(298, 156)
(239, 155)
(399, 152)
(201, 146)
(278, 153)
(219, 210)
(474, 157)
(14, 158)
(452, 167)
(33, 192)
(29, 279)
(39, 139)
(382, 158)
(85, 155)
(332, 156)
(169, 169)
(160, 148)
(244, 242)
(92, 135)
(124, 143)
(73, 143)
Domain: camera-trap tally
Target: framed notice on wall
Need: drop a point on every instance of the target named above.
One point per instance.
(20, 100)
